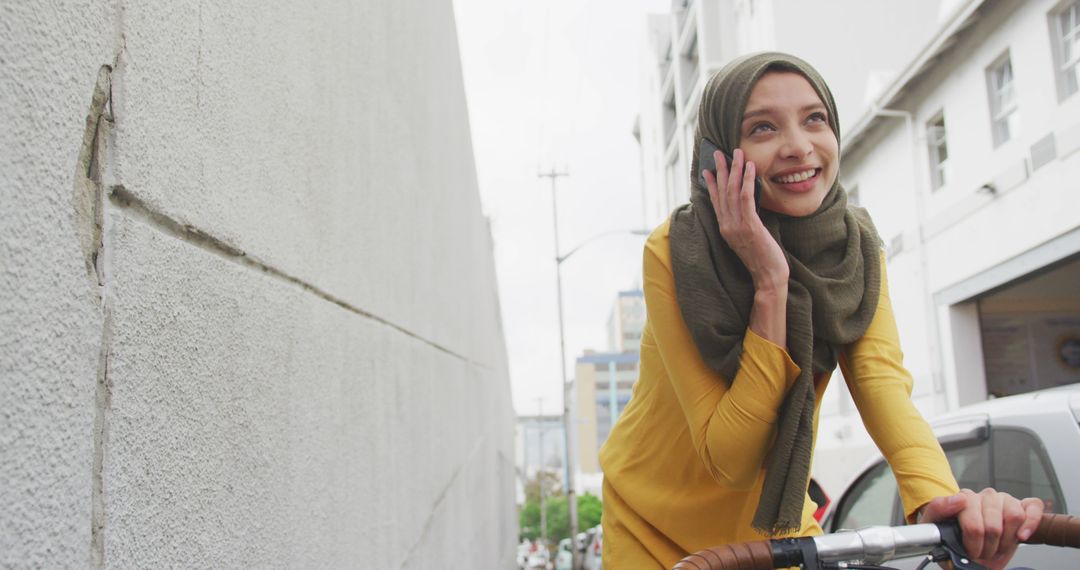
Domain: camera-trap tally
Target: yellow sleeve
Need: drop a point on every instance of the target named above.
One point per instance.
(881, 388)
(731, 428)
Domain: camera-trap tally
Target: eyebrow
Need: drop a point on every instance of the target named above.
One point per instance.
(771, 110)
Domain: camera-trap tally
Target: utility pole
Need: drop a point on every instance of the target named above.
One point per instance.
(571, 498)
(540, 471)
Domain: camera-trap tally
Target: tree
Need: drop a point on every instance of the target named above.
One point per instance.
(558, 517)
(529, 516)
(529, 519)
(589, 509)
(551, 482)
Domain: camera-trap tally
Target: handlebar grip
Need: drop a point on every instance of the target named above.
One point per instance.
(1057, 530)
(745, 556)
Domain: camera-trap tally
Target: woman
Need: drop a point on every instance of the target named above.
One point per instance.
(748, 315)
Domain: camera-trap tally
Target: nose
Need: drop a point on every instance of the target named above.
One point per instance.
(796, 144)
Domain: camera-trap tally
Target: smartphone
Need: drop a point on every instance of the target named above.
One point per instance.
(706, 161)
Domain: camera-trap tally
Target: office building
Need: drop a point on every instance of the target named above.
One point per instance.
(603, 384)
(627, 321)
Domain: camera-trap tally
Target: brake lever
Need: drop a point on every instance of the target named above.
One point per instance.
(953, 548)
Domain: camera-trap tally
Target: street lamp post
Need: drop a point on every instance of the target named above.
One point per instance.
(540, 471)
(571, 493)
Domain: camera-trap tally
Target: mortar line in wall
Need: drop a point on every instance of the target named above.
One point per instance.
(123, 198)
(439, 501)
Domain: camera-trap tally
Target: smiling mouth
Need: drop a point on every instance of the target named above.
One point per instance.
(796, 177)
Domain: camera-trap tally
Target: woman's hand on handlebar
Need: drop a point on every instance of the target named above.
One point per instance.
(993, 523)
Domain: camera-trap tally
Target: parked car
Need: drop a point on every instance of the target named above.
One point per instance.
(538, 559)
(523, 551)
(564, 558)
(820, 498)
(594, 549)
(1026, 445)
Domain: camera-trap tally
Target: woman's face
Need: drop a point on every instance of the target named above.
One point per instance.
(785, 132)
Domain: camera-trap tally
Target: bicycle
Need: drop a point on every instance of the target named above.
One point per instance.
(865, 549)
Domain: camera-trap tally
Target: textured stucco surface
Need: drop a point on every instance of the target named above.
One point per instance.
(50, 322)
(255, 424)
(356, 116)
(297, 306)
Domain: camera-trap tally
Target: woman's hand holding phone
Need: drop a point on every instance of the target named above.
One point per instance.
(732, 193)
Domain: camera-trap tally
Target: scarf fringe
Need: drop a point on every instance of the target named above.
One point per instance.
(776, 530)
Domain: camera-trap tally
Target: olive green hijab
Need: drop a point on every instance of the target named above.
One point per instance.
(835, 273)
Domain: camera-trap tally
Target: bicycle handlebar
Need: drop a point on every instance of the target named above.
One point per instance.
(870, 545)
(1057, 530)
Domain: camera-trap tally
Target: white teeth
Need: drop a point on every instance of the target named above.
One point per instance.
(797, 177)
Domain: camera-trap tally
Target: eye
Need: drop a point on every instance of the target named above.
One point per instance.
(817, 117)
(761, 128)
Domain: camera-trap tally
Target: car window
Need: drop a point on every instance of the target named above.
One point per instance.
(1022, 468)
(870, 500)
(970, 463)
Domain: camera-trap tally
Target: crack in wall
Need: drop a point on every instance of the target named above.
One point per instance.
(87, 192)
(102, 406)
(89, 206)
(437, 505)
(123, 198)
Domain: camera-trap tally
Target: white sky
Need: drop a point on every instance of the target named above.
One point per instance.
(556, 83)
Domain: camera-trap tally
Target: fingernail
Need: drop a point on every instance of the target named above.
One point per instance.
(952, 500)
(1024, 534)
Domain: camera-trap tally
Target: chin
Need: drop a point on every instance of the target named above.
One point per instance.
(797, 207)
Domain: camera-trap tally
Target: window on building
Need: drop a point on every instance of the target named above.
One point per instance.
(670, 118)
(939, 151)
(1065, 31)
(691, 68)
(1003, 107)
(670, 190)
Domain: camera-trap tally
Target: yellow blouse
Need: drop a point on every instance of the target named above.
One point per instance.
(683, 465)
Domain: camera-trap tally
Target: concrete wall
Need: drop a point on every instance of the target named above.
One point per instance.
(249, 310)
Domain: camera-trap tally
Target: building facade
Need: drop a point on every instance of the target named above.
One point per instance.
(627, 321)
(965, 161)
(603, 386)
(540, 445)
(694, 40)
